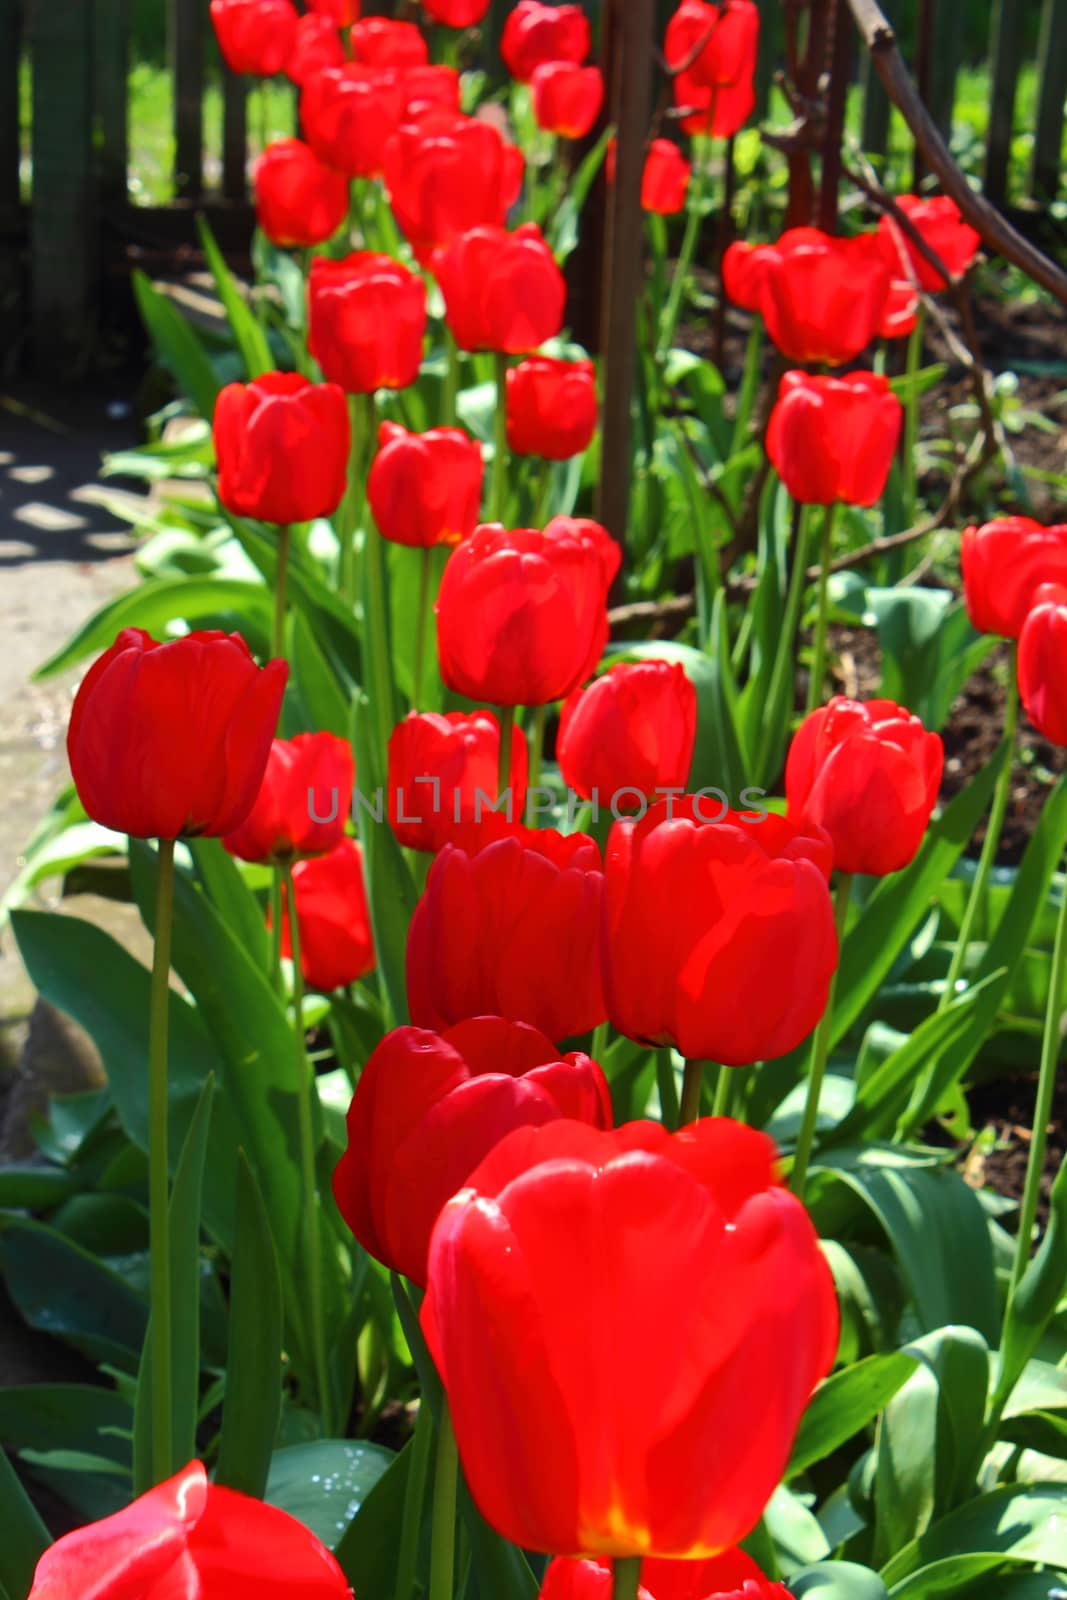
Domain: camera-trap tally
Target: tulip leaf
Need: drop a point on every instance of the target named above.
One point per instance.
(323, 699)
(25, 1536)
(1015, 1522)
(252, 1406)
(177, 345)
(251, 340)
(900, 900)
(228, 892)
(837, 1580)
(368, 1550)
(71, 1416)
(323, 1484)
(154, 605)
(845, 1403)
(969, 1577)
(63, 1290)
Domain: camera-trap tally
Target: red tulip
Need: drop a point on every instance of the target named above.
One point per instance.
(429, 1107)
(503, 291)
(445, 174)
(255, 35)
(299, 200)
(348, 113)
(566, 529)
(551, 407)
(944, 230)
(456, 13)
(535, 34)
(665, 184)
(282, 444)
(171, 740)
(1042, 663)
(869, 774)
(700, 907)
(303, 801)
(567, 99)
(188, 1537)
(342, 12)
(379, 42)
(632, 730)
(1004, 564)
(317, 44)
(834, 439)
(715, 46)
(425, 488)
(615, 1304)
(438, 768)
(366, 321)
(822, 298)
(901, 310)
(521, 614)
(731, 1576)
(333, 919)
(427, 89)
(510, 930)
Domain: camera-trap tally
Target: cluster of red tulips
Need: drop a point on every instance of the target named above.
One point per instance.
(628, 1322)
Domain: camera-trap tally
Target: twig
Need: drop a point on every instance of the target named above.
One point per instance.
(679, 605)
(995, 229)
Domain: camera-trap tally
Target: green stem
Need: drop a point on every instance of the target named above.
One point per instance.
(911, 414)
(1046, 1086)
(599, 1043)
(818, 658)
(499, 482)
(668, 1088)
(990, 844)
(782, 671)
(414, 1495)
(306, 1089)
(537, 744)
(376, 614)
(281, 585)
(451, 389)
(820, 1051)
(503, 771)
(422, 618)
(352, 504)
(692, 1083)
(443, 1521)
(276, 927)
(724, 1089)
(673, 309)
(625, 1577)
(163, 1464)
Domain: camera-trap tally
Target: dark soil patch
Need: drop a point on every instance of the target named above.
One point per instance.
(1006, 1109)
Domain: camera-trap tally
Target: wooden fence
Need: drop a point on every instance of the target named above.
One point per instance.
(71, 222)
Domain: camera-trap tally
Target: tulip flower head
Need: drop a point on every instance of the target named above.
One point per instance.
(1042, 663)
(333, 919)
(834, 439)
(869, 774)
(610, 1303)
(665, 181)
(632, 731)
(535, 34)
(456, 13)
(255, 36)
(439, 765)
(342, 13)
(366, 321)
(701, 905)
(317, 44)
(303, 802)
(429, 1107)
(823, 298)
(381, 42)
(512, 930)
(567, 99)
(446, 173)
(425, 489)
(940, 224)
(503, 291)
(191, 1537)
(282, 445)
(348, 114)
(300, 201)
(731, 1576)
(1004, 563)
(551, 407)
(171, 740)
(712, 50)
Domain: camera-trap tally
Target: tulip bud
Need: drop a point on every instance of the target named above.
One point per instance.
(425, 488)
(633, 730)
(941, 226)
(303, 802)
(834, 439)
(282, 444)
(1042, 663)
(551, 408)
(366, 321)
(348, 113)
(567, 99)
(299, 200)
(503, 291)
(1004, 563)
(869, 774)
(429, 1107)
(701, 906)
(439, 766)
(535, 34)
(255, 36)
(333, 919)
(171, 740)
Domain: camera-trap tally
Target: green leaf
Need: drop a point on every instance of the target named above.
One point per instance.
(323, 697)
(367, 1551)
(837, 1580)
(33, 1188)
(391, 894)
(25, 1536)
(177, 345)
(63, 1290)
(845, 1403)
(325, 1483)
(153, 605)
(66, 1416)
(1043, 1285)
(1013, 1522)
(253, 1371)
(251, 340)
(228, 892)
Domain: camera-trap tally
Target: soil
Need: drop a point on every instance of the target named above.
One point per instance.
(1006, 1109)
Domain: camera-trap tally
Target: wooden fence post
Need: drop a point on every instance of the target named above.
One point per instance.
(64, 234)
(1052, 65)
(629, 35)
(188, 24)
